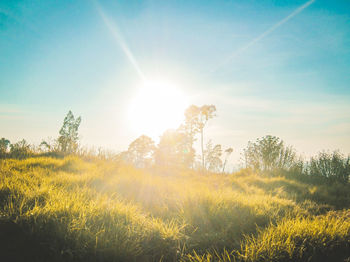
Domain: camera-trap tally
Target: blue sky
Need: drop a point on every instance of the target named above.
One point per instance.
(294, 82)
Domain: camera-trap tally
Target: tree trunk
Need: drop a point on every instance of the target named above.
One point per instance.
(202, 149)
(223, 167)
(191, 146)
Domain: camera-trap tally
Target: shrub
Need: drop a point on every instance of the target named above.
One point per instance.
(268, 154)
(20, 149)
(333, 166)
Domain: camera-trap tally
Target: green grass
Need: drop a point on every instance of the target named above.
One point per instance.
(74, 210)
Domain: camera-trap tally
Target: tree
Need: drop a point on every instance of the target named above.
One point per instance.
(196, 119)
(140, 151)
(213, 155)
(68, 139)
(206, 112)
(228, 152)
(269, 153)
(4, 145)
(191, 128)
(174, 149)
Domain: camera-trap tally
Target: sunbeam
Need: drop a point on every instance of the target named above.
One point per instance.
(267, 32)
(111, 25)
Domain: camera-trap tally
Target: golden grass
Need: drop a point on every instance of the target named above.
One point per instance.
(104, 211)
(301, 239)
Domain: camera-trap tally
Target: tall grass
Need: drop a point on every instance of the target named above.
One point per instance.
(322, 238)
(100, 210)
(302, 239)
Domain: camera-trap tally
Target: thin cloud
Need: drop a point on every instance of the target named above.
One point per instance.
(266, 33)
(11, 109)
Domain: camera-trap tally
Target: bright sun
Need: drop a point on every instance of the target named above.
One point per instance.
(156, 107)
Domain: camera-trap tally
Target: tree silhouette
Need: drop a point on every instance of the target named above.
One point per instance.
(196, 119)
(140, 151)
(174, 149)
(191, 128)
(213, 154)
(68, 139)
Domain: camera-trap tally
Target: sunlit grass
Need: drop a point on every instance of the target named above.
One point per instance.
(100, 210)
(322, 238)
(301, 239)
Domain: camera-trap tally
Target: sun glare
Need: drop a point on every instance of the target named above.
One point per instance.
(156, 107)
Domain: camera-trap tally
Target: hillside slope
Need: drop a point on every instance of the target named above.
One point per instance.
(75, 210)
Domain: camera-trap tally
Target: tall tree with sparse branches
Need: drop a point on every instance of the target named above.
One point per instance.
(68, 139)
(196, 119)
(213, 155)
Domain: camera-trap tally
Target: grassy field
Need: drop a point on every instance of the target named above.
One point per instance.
(76, 210)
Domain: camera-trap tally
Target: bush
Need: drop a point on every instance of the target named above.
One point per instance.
(268, 154)
(20, 149)
(333, 166)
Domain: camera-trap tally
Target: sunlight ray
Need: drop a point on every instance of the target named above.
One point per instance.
(112, 26)
(264, 34)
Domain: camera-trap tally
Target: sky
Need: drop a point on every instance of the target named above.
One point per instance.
(270, 67)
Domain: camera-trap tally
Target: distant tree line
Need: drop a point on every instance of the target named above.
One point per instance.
(268, 155)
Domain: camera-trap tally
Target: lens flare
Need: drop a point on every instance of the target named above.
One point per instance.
(156, 107)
